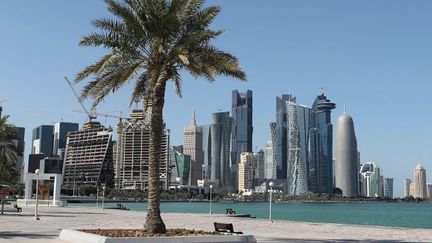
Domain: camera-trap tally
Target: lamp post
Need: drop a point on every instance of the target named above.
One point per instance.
(103, 197)
(211, 190)
(37, 192)
(97, 197)
(270, 206)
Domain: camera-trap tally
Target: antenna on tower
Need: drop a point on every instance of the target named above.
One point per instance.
(345, 108)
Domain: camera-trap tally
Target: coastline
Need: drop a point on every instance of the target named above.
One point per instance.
(22, 227)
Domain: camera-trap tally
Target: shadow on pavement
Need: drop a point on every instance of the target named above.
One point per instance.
(38, 235)
(274, 240)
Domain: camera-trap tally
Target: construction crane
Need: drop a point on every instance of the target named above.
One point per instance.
(95, 114)
(90, 123)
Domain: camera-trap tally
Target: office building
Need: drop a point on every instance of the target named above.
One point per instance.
(42, 142)
(320, 169)
(269, 165)
(259, 170)
(346, 163)
(247, 170)
(193, 147)
(429, 190)
(206, 147)
(89, 156)
(407, 186)
(242, 127)
(419, 182)
(388, 187)
(132, 162)
(180, 167)
(220, 149)
(60, 132)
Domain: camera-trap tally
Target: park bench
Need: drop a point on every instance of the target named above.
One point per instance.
(230, 211)
(225, 228)
(19, 209)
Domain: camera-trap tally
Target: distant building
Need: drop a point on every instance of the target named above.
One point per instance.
(180, 167)
(132, 162)
(247, 170)
(388, 187)
(419, 182)
(259, 170)
(320, 167)
(370, 180)
(42, 142)
(269, 165)
(60, 132)
(407, 186)
(207, 154)
(242, 127)
(89, 156)
(193, 147)
(19, 146)
(429, 190)
(346, 164)
(220, 149)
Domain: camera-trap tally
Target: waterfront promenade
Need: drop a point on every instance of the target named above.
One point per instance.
(22, 227)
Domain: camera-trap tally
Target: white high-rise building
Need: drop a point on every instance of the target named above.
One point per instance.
(419, 182)
(247, 169)
(269, 165)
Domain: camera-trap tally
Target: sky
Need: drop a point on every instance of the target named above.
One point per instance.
(372, 56)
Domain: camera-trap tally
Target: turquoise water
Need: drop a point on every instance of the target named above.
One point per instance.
(411, 215)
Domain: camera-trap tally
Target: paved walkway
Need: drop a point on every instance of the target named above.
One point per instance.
(22, 227)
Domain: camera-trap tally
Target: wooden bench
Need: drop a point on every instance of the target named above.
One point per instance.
(19, 209)
(225, 228)
(230, 211)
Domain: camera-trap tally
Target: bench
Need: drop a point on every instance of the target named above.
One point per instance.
(230, 211)
(19, 209)
(225, 228)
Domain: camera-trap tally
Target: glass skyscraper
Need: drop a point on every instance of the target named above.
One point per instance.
(320, 168)
(242, 124)
(220, 148)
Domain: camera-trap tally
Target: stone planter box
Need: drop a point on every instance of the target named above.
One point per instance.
(75, 236)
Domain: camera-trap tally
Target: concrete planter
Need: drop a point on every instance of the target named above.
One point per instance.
(75, 236)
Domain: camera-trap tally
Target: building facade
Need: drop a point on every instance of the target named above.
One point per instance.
(132, 164)
(60, 132)
(206, 147)
(89, 156)
(320, 169)
(192, 146)
(246, 172)
(269, 165)
(42, 141)
(346, 163)
(407, 186)
(388, 187)
(419, 182)
(220, 150)
(242, 127)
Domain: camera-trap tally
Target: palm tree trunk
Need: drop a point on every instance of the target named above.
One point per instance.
(154, 221)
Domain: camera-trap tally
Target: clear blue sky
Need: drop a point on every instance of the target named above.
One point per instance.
(375, 56)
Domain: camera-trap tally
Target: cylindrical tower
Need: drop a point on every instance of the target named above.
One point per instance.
(346, 171)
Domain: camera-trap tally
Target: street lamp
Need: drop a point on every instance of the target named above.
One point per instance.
(211, 190)
(103, 197)
(97, 197)
(270, 208)
(37, 192)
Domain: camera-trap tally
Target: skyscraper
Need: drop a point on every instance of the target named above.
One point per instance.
(420, 182)
(407, 186)
(220, 149)
(42, 142)
(388, 187)
(269, 165)
(346, 164)
(180, 167)
(193, 147)
(206, 147)
(247, 171)
(89, 156)
(19, 142)
(297, 141)
(132, 162)
(321, 146)
(242, 124)
(60, 132)
(259, 170)
(429, 190)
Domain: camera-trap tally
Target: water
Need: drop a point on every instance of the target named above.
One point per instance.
(411, 215)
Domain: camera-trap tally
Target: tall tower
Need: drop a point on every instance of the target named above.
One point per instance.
(242, 124)
(321, 146)
(346, 156)
(193, 147)
(220, 148)
(407, 186)
(420, 182)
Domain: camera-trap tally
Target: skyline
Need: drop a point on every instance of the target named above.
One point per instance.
(373, 57)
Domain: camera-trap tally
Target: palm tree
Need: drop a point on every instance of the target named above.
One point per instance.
(150, 42)
(8, 157)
